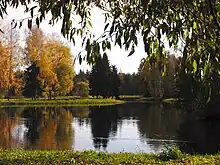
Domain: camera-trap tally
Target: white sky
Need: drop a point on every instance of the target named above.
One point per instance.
(117, 56)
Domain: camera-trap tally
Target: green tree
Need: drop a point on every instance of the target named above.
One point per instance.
(114, 82)
(131, 84)
(160, 84)
(82, 89)
(100, 77)
(32, 86)
(95, 78)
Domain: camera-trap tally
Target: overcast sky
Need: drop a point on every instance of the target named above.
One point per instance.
(117, 56)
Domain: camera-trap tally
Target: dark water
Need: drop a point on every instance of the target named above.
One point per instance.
(129, 128)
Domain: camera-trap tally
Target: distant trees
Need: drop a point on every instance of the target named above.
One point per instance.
(160, 84)
(104, 80)
(131, 84)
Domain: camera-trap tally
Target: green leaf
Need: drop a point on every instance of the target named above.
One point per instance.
(103, 45)
(90, 24)
(194, 25)
(108, 45)
(194, 66)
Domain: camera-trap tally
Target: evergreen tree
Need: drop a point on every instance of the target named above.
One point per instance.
(100, 77)
(94, 80)
(105, 77)
(32, 85)
(115, 82)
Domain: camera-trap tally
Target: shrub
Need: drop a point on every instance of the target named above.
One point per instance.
(171, 153)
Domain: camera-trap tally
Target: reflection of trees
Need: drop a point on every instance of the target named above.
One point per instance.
(82, 114)
(155, 121)
(8, 121)
(202, 136)
(159, 122)
(49, 128)
(103, 125)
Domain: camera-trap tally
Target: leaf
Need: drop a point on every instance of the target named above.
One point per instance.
(111, 29)
(106, 26)
(29, 23)
(194, 25)
(146, 47)
(20, 24)
(194, 66)
(118, 41)
(90, 24)
(132, 51)
(1, 14)
(1, 31)
(80, 59)
(87, 44)
(103, 45)
(108, 45)
(206, 69)
(37, 22)
(32, 13)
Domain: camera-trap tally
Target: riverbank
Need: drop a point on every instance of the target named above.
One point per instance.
(139, 98)
(92, 158)
(59, 102)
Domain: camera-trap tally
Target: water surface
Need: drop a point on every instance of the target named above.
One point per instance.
(133, 127)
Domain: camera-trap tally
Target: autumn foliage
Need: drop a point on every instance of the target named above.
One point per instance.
(54, 61)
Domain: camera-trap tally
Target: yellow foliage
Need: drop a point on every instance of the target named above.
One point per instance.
(4, 66)
(54, 60)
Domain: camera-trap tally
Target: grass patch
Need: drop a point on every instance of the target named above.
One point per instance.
(91, 157)
(59, 102)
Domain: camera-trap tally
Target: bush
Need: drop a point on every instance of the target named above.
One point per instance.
(82, 89)
(170, 153)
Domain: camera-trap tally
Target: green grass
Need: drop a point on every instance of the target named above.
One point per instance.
(130, 96)
(92, 158)
(59, 102)
(169, 100)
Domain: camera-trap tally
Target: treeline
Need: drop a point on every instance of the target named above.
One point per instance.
(44, 68)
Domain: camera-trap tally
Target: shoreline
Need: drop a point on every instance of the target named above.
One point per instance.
(59, 102)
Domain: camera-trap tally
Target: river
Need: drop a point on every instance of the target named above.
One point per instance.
(130, 127)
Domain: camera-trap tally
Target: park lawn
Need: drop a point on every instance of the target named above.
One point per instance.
(94, 158)
(59, 102)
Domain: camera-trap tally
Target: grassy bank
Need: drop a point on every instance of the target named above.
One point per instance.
(170, 100)
(91, 157)
(59, 102)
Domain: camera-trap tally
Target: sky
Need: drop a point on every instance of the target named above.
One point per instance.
(117, 56)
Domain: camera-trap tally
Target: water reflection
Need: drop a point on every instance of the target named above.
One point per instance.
(127, 127)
